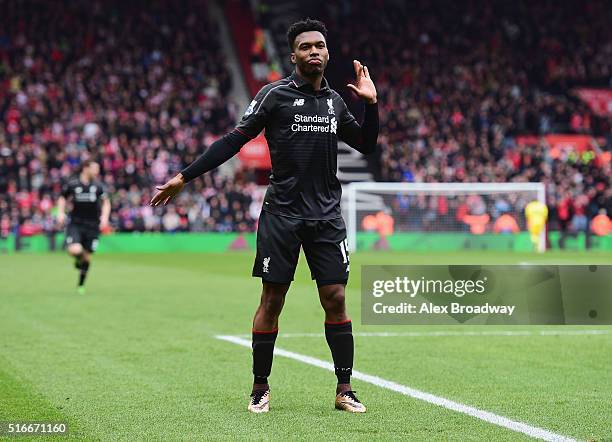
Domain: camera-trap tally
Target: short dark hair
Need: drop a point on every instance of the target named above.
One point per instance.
(304, 26)
(85, 164)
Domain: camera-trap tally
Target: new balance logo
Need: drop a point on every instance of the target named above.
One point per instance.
(298, 102)
(266, 263)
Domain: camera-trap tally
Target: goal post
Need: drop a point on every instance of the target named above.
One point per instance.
(445, 210)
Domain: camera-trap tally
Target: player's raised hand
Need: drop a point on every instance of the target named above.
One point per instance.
(168, 191)
(364, 86)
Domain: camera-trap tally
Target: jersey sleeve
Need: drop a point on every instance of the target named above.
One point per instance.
(66, 190)
(257, 114)
(102, 191)
(362, 137)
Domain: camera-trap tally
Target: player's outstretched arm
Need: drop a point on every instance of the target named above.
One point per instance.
(61, 211)
(168, 191)
(218, 153)
(106, 210)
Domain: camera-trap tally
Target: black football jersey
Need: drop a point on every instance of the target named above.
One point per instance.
(302, 128)
(86, 201)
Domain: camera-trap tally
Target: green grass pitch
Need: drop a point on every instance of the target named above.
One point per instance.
(136, 358)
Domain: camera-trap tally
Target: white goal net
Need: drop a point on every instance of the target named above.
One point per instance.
(409, 216)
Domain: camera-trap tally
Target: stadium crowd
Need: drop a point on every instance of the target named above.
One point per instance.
(138, 86)
(458, 82)
(142, 86)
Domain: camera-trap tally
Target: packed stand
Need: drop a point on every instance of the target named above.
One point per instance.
(457, 82)
(139, 86)
(142, 87)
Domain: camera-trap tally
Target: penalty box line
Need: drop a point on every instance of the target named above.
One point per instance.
(492, 418)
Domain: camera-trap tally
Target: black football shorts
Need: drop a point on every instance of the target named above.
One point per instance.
(84, 235)
(278, 247)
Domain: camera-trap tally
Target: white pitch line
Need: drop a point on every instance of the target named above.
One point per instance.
(450, 333)
(520, 427)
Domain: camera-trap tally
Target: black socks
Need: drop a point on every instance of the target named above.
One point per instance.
(84, 267)
(339, 336)
(263, 350)
(77, 261)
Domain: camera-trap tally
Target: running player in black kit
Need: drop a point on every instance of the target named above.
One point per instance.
(90, 211)
(303, 120)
